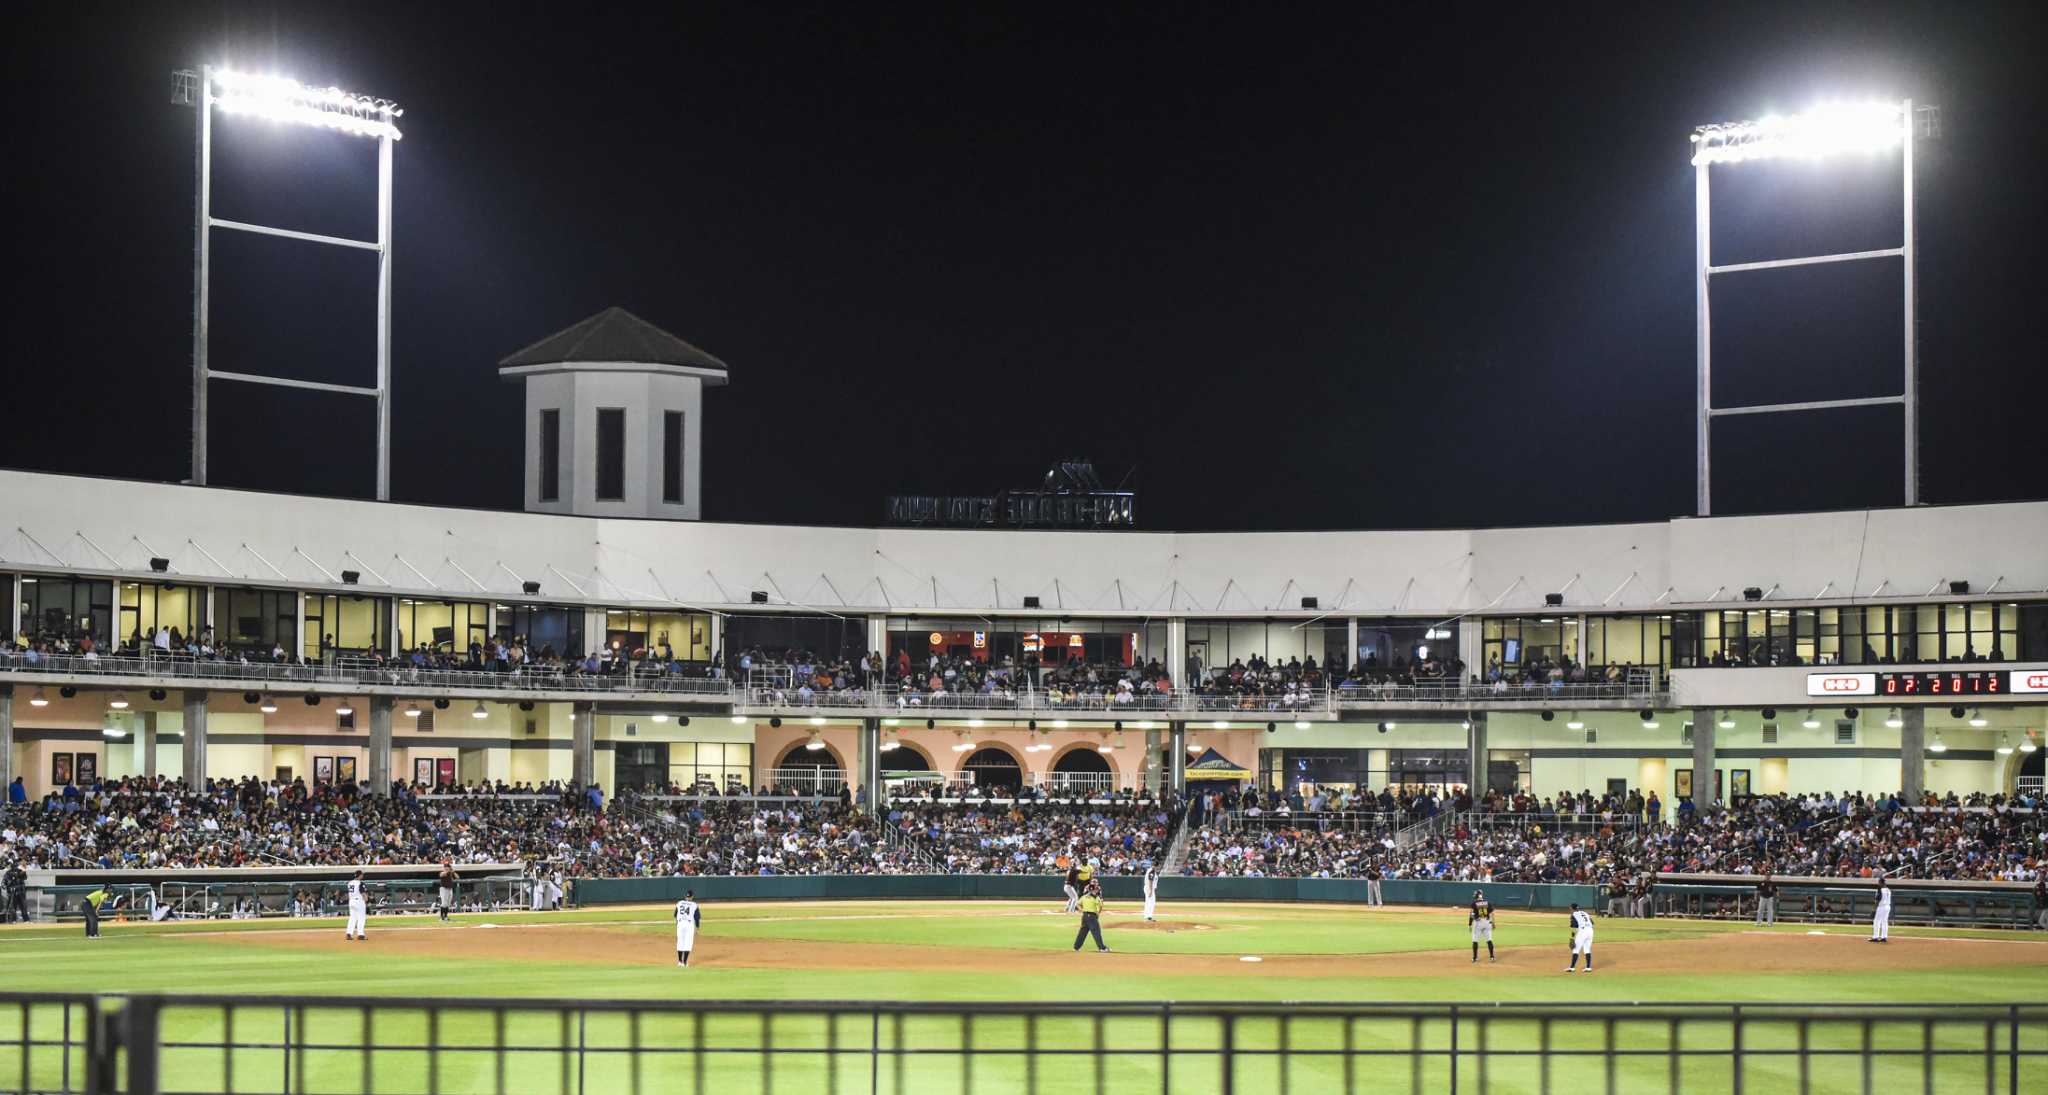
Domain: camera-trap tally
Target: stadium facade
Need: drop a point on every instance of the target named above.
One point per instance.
(1898, 648)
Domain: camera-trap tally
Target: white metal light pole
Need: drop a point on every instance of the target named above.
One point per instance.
(284, 100)
(1824, 131)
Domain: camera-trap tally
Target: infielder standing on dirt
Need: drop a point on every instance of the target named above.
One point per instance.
(688, 918)
(1091, 918)
(1582, 939)
(358, 910)
(1881, 921)
(1151, 892)
(447, 888)
(1481, 921)
(1766, 901)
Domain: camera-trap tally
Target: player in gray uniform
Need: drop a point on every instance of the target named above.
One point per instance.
(1481, 920)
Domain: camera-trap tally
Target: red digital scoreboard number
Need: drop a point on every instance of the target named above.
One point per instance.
(1948, 683)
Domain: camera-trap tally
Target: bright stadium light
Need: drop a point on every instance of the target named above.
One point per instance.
(1978, 720)
(1827, 130)
(1895, 721)
(119, 702)
(1831, 130)
(478, 712)
(1939, 746)
(284, 100)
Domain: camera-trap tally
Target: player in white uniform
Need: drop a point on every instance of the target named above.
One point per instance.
(1881, 922)
(688, 917)
(1582, 939)
(358, 909)
(1151, 891)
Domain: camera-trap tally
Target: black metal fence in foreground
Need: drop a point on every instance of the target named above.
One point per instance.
(178, 1044)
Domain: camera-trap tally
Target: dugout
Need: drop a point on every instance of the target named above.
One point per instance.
(271, 891)
(1818, 900)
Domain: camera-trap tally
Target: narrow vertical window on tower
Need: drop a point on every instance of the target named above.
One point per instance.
(550, 455)
(611, 454)
(672, 456)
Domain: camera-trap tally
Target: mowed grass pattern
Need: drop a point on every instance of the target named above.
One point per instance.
(319, 1049)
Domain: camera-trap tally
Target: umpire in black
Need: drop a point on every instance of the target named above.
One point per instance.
(1091, 918)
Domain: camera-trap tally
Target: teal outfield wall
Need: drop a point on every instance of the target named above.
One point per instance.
(1510, 895)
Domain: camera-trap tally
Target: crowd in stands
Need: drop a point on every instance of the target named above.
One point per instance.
(1030, 837)
(1616, 840)
(505, 653)
(1621, 840)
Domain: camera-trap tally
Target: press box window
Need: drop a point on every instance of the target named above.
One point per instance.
(550, 455)
(611, 454)
(672, 456)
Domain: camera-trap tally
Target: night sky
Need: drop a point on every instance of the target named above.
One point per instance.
(1412, 269)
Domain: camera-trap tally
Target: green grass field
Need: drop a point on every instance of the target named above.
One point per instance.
(1010, 951)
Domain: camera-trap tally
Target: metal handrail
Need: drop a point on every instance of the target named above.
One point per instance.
(343, 672)
(899, 701)
(1426, 691)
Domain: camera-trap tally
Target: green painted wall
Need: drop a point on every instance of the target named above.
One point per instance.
(607, 891)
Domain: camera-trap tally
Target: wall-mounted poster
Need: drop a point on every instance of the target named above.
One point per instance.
(88, 769)
(423, 770)
(345, 771)
(1738, 783)
(445, 767)
(60, 769)
(323, 769)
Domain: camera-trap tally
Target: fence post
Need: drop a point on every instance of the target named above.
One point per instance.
(138, 1034)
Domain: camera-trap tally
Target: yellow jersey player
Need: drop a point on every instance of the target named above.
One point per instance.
(1481, 921)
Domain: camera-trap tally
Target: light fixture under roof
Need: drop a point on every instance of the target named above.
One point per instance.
(119, 702)
(1105, 747)
(412, 709)
(1938, 745)
(1810, 722)
(479, 712)
(815, 744)
(1894, 721)
(2027, 742)
(739, 720)
(1219, 726)
(659, 717)
(39, 700)
(1649, 724)
(344, 709)
(1978, 720)
(1575, 724)
(1726, 723)
(2004, 746)
(268, 706)
(817, 720)
(1302, 724)
(974, 722)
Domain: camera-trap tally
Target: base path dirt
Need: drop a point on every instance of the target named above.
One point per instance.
(1763, 952)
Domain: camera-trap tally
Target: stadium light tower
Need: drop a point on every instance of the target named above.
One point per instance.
(1828, 130)
(290, 102)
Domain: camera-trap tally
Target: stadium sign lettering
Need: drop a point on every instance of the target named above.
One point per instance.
(1841, 684)
(2030, 680)
(1016, 509)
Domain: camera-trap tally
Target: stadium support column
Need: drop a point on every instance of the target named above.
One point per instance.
(870, 752)
(145, 738)
(1177, 652)
(1912, 754)
(1177, 756)
(1155, 773)
(583, 744)
(194, 750)
(1476, 754)
(6, 736)
(1703, 791)
(380, 746)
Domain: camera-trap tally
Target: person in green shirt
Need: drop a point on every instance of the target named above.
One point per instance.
(93, 901)
(1091, 918)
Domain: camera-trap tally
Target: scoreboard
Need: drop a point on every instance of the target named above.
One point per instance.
(1930, 683)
